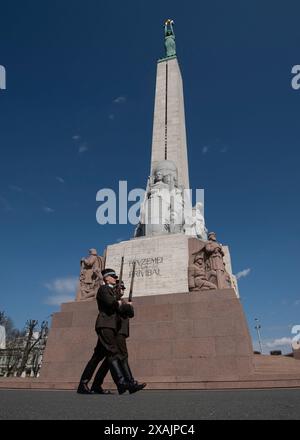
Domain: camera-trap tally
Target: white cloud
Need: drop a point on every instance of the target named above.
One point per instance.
(281, 342)
(224, 150)
(111, 116)
(83, 148)
(16, 188)
(76, 137)
(62, 290)
(48, 210)
(60, 179)
(243, 273)
(297, 302)
(120, 100)
(205, 149)
(63, 285)
(56, 300)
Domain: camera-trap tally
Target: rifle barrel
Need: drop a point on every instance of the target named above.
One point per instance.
(121, 270)
(132, 280)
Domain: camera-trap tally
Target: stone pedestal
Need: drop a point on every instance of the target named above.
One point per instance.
(177, 341)
(174, 339)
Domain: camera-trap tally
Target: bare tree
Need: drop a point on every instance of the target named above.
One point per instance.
(39, 348)
(31, 343)
(30, 326)
(24, 349)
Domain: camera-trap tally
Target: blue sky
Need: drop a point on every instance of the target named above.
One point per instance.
(77, 116)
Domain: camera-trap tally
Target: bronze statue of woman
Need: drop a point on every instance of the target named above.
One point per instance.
(170, 44)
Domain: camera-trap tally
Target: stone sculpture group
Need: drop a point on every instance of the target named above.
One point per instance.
(207, 269)
(166, 208)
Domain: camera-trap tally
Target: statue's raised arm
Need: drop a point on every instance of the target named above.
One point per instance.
(170, 44)
(169, 27)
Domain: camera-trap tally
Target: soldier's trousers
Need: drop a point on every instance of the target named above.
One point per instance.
(104, 367)
(106, 348)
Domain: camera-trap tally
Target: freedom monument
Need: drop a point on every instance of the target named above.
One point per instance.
(162, 249)
(189, 329)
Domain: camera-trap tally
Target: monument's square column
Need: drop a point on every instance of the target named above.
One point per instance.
(169, 133)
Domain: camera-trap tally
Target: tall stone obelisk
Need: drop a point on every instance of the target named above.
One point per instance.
(167, 208)
(169, 134)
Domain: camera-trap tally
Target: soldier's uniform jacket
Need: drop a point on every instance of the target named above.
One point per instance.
(123, 326)
(125, 312)
(108, 307)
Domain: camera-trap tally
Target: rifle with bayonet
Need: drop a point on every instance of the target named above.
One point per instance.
(120, 283)
(125, 309)
(131, 282)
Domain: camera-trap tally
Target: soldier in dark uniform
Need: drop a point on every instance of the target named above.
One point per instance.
(125, 312)
(107, 346)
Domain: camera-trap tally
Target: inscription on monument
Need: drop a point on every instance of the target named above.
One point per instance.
(146, 267)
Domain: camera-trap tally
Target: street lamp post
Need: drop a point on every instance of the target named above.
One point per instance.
(257, 328)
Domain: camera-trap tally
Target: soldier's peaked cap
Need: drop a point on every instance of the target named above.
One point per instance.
(109, 272)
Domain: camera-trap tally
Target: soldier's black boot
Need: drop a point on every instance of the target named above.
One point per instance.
(134, 386)
(118, 376)
(100, 390)
(83, 388)
(96, 387)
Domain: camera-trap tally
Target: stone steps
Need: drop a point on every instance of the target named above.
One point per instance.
(276, 364)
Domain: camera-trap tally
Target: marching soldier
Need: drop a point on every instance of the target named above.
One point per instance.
(125, 312)
(107, 346)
